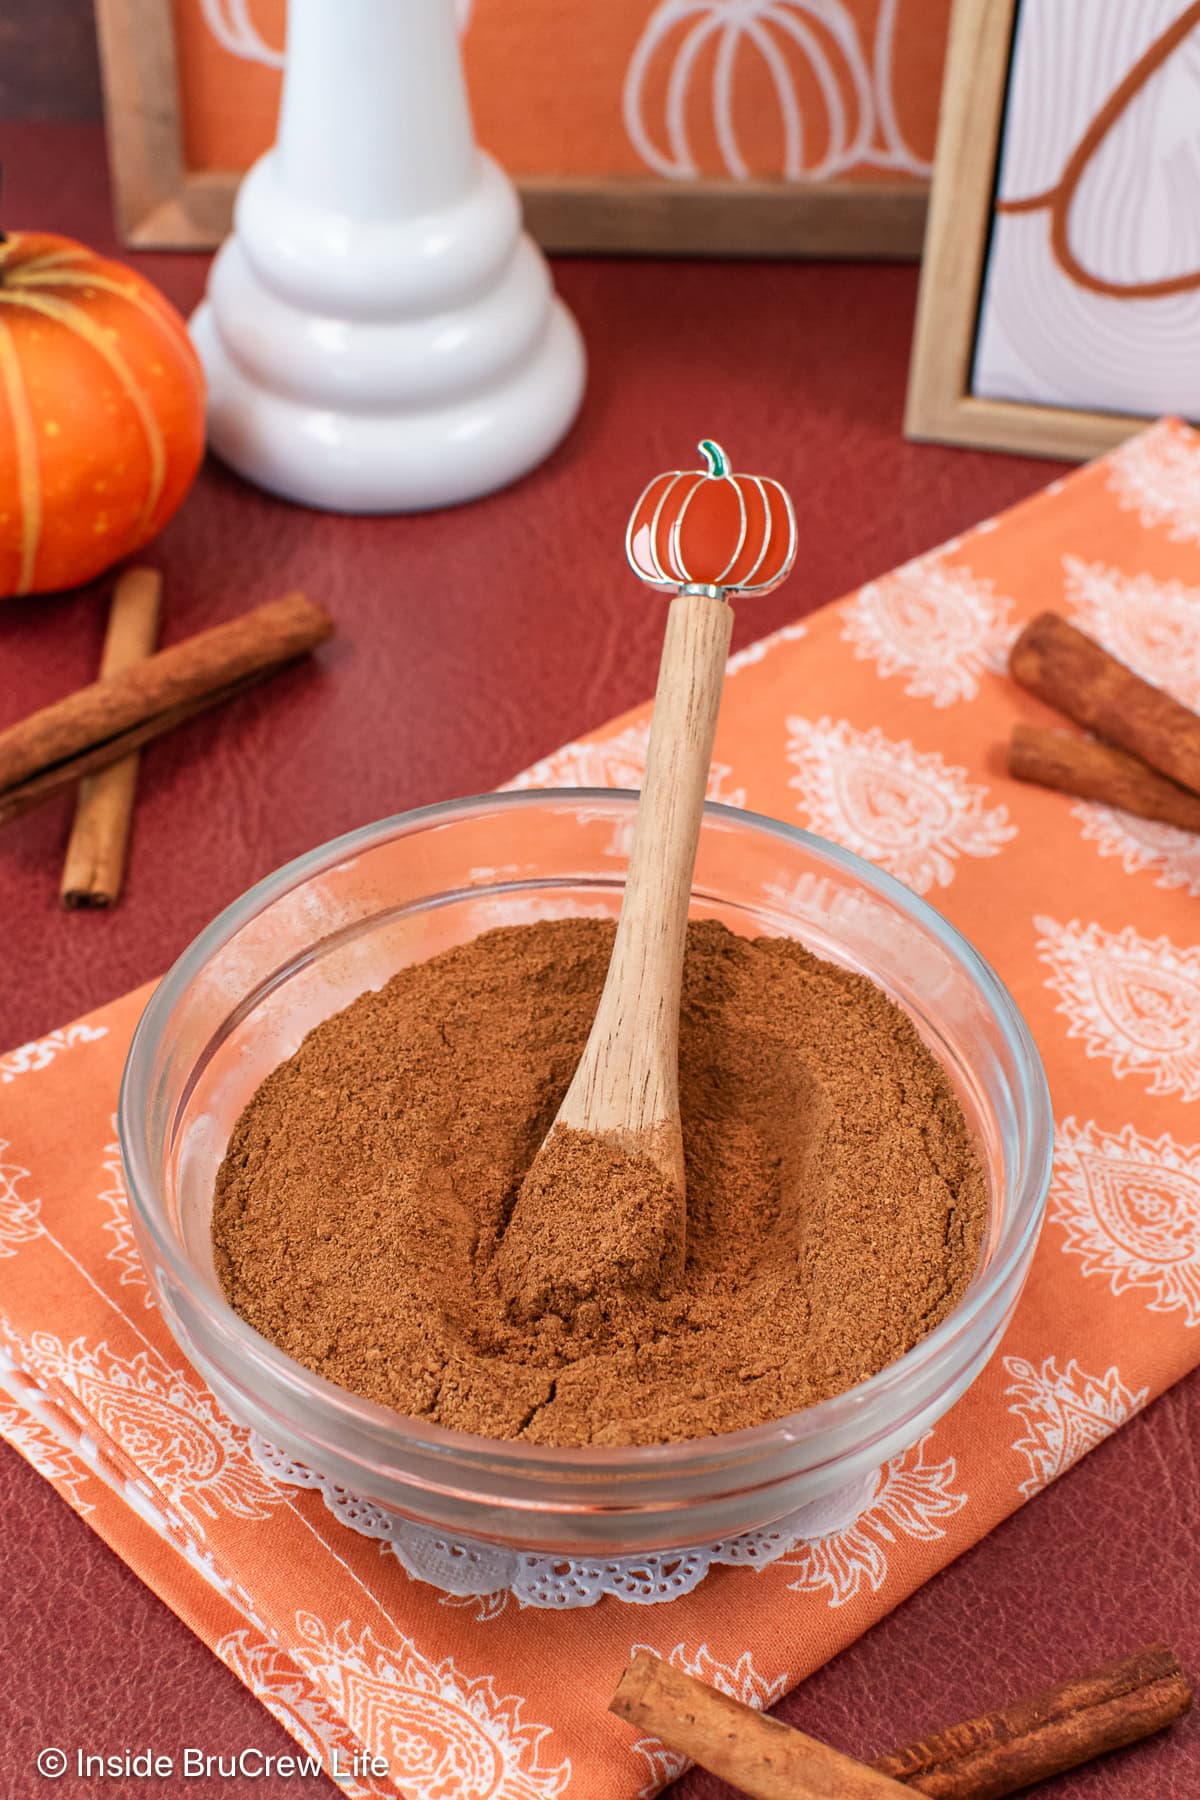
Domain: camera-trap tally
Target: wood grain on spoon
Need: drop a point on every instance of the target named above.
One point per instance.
(626, 1086)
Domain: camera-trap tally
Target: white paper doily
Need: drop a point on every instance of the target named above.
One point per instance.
(466, 1568)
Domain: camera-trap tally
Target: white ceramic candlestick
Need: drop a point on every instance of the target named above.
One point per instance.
(379, 335)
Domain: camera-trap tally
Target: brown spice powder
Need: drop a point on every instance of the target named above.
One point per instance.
(835, 1205)
(589, 1223)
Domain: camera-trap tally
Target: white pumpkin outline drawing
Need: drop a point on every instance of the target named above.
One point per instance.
(866, 133)
(782, 33)
(232, 25)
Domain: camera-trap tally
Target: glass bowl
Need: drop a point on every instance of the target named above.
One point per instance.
(310, 938)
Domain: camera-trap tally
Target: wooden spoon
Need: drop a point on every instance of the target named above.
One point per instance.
(702, 535)
(626, 1086)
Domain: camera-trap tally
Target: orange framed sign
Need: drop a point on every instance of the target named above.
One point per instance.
(728, 126)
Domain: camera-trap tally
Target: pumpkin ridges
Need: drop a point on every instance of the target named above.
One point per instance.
(55, 256)
(744, 515)
(29, 491)
(674, 541)
(712, 528)
(782, 520)
(712, 516)
(670, 572)
(20, 248)
(24, 264)
(92, 452)
(33, 276)
(639, 552)
(699, 561)
(743, 577)
(110, 446)
(76, 320)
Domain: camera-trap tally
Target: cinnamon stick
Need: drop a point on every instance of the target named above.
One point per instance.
(45, 785)
(1094, 771)
(100, 724)
(1072, 672)
(759, 1755)
(982, 1759)
(95, 860)
(1002, 1752)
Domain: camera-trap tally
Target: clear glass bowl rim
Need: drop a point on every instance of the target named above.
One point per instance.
(382, 1423)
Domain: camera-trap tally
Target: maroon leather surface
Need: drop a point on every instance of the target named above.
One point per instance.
(470, 643)
(49, 68)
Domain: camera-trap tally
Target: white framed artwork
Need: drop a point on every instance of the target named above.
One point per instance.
(1060, 298)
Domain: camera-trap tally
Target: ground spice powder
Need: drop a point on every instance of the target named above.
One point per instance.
(835, 1204)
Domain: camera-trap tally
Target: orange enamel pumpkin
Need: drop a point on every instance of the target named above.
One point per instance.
(711, 528)
(101, 412)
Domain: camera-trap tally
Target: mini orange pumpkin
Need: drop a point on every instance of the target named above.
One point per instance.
(711, 528)
(101, 412)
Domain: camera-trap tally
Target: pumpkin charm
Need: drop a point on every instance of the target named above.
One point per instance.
(711, 529)
(101, 412)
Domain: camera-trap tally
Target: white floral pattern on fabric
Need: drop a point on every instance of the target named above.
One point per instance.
(124, 1251)
(1172, 856)
(441, 1732)
(1130, 1207)
(823, 898)
(1065, 1414)
(1154, 626)
(1157, 475)
(299, 1708)
(615, 762)
(167, 1423)
(913, 1500)
(935, 624)
(740, 1680)
(664, 1766)
(1134, 1001)
(483, 1607)
(35, 1382)
(39, 1053)
(19, 1213)
(761, 648)
(45, 1452)
(907, 810)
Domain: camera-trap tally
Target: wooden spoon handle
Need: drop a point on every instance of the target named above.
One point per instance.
(627, 1082)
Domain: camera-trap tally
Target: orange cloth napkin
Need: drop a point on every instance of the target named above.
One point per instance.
(880, 723)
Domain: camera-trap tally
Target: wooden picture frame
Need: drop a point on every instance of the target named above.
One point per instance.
(941, 406)
(161, 203)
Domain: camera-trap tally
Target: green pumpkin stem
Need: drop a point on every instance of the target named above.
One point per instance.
(715, 457)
